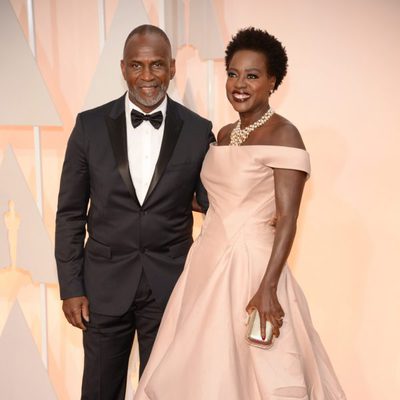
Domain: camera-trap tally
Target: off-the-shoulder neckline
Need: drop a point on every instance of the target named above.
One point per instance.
(214, 144)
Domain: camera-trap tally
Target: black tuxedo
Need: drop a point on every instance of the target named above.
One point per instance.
(126, 239)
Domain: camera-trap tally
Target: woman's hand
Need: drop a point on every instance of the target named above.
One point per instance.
(266, 302)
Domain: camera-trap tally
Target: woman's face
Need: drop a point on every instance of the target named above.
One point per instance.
(248, 84)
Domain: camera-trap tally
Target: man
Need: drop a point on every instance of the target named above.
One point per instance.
(140, 173)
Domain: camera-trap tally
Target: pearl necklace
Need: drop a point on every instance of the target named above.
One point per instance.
(238, 136)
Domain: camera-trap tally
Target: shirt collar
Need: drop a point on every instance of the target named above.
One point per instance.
(130, 106)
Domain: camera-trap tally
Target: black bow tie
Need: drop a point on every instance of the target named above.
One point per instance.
(155, 119)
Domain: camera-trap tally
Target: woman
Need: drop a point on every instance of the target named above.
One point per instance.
(254, 177)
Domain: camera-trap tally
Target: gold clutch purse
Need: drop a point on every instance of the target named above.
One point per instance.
(253, 333)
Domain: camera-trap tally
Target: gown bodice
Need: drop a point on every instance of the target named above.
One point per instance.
(240, 182)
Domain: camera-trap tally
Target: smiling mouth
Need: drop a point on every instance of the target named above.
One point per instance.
(241, 97)
(149, 90)
(152, 87)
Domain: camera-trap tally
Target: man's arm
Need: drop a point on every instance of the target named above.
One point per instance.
(70, 226)
(200, 200)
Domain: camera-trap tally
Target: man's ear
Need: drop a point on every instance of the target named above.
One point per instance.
(123, 68)
(172, 68)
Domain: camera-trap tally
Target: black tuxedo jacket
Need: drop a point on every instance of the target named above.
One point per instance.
(125, 238)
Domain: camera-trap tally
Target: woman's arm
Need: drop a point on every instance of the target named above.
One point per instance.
(289, 186)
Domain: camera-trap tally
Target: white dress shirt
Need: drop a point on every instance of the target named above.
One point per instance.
(144, 143)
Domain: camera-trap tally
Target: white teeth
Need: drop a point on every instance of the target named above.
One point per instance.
(240, 96)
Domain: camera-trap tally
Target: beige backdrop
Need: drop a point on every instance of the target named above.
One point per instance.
(342, 93)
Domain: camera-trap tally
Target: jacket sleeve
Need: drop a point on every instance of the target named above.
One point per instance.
(201, 194)
(72, 214)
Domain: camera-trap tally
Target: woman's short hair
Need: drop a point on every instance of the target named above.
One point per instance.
(262, 42)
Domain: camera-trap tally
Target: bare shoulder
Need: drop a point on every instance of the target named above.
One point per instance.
(281, 132)
(223, 137)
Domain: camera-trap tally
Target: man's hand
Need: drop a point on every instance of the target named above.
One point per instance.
(76, 308)
(273, 221)
(196, 206)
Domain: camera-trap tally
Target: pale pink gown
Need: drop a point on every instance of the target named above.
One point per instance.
(201, 352)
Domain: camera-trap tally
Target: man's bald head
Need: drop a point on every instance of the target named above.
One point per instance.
(148, 30)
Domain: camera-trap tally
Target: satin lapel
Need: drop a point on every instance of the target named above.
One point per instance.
(172, 130)
(116, 124)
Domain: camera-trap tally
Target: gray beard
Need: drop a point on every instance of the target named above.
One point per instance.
(149, 101)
